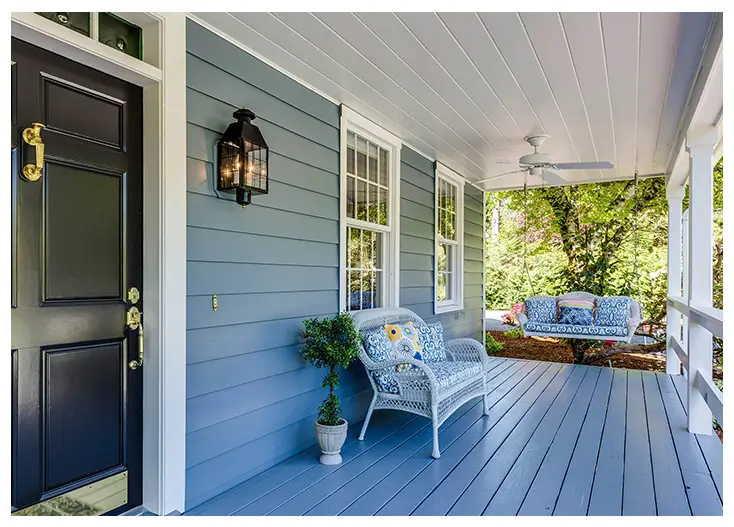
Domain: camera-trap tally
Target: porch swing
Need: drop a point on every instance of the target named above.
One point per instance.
(579, 314)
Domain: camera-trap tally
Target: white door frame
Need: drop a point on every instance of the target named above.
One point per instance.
(162, 76)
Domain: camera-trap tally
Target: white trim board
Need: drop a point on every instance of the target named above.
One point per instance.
(164, 235)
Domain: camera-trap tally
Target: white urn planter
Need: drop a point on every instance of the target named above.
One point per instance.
(331, 439)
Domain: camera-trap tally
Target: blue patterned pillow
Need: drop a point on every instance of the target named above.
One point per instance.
(430, 337)
(612, 311)
(377, 345)
(380, 349)
(577, 316)
(541, 310)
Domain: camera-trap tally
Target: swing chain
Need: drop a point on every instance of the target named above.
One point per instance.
(525, 235)
(637, 210)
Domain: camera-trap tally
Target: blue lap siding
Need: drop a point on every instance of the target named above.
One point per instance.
(251, 398)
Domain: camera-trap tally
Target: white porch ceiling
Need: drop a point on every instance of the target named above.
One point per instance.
(465, 88)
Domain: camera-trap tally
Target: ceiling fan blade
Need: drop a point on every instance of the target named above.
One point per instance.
(500, 175)
(553, 179)
(590, 165)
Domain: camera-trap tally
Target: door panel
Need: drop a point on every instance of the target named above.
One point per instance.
(72, 401)
(102, 120)
(83, 233)
(77, 235)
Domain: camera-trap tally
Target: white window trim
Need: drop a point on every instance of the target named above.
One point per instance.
(354, 122)
(457, 303)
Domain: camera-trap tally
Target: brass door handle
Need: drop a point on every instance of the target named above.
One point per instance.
(134, 321)
(32, 136)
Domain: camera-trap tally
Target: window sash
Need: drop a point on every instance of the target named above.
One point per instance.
(366, 262)
(367, 181)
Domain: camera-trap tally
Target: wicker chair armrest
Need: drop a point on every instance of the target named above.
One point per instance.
(521, 318)
(468, 350)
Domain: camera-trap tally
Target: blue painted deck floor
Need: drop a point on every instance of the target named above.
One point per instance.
(560, 439)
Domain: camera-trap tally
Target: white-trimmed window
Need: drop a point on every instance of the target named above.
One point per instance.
(449, 260)
(370, 214)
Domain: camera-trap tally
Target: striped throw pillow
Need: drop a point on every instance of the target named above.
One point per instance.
(576, 311)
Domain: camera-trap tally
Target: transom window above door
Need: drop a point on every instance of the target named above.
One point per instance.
(370, 160)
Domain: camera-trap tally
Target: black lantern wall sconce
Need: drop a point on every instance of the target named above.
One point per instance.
(242, 156)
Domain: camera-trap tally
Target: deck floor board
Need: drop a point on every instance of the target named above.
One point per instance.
(559, 439)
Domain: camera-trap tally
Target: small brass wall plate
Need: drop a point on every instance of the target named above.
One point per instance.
(215, 303)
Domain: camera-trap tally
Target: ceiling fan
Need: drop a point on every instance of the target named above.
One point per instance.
(538, 164)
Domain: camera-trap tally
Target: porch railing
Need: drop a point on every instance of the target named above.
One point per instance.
(700, 382)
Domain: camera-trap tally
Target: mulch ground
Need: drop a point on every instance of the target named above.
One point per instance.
(551, 350)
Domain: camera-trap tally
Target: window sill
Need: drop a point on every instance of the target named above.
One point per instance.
(440, 309)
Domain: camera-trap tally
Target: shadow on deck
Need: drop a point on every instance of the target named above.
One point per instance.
(560, 440)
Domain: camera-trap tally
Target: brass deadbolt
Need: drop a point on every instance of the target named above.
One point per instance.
(133, 295)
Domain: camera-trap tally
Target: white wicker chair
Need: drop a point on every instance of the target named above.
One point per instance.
(419, 390)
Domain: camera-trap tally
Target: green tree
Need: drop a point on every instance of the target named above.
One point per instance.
(330, 343)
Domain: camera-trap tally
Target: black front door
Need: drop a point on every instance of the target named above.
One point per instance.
(76, 252)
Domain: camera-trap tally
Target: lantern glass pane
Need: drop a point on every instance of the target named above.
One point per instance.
(229, 161)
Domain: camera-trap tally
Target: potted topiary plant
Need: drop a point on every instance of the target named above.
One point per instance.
(331, 343)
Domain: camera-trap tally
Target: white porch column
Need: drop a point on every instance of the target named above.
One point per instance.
(686, 252)
(675, 212)
(700, 147)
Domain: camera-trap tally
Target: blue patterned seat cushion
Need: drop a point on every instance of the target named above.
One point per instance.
(380, 349)
(612, 311)
(570, 329)
(450, 373)
(431, 340)
(386, 383)
(541, 310)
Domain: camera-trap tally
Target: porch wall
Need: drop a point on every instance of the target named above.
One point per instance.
(417, 218)
(251, 398)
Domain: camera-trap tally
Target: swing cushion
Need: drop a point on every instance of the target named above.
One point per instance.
(612, 311)
(575, 311)
(570, 330)
(541, 309)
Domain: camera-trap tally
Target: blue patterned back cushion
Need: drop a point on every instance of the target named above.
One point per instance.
(577, 316)
(431, 339)
(379, 349)
(377, 345)
(612, 311)
(541, 310)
